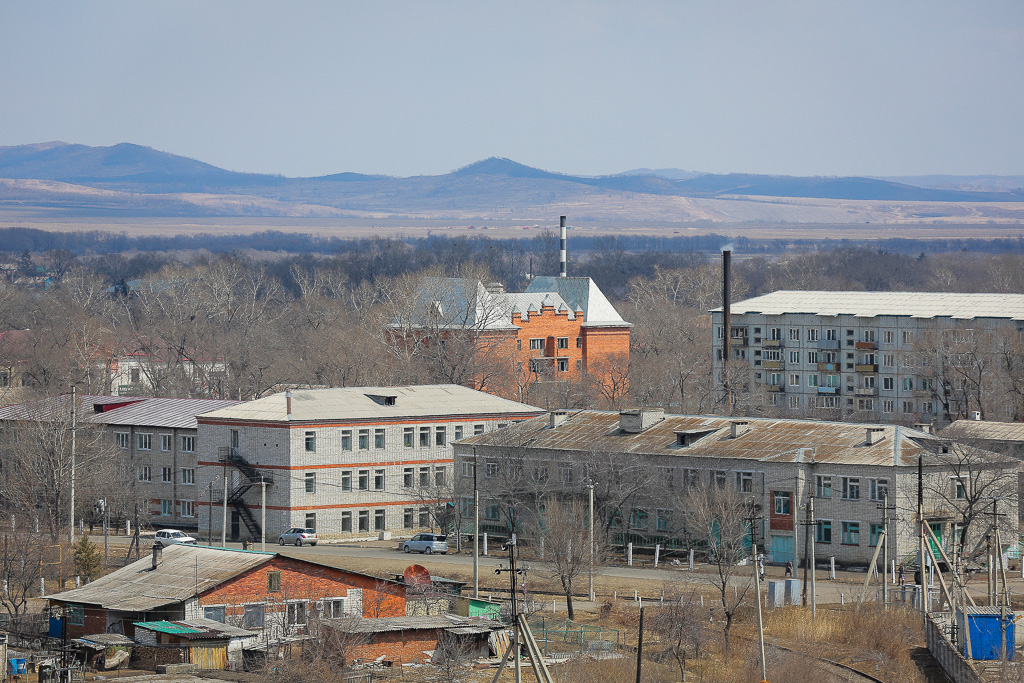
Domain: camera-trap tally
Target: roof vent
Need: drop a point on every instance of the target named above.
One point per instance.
(976, 415)
(558, 417)
(926, 427)
(687, 437)
(738, 428)
(158, 555)
(636, 420)
(874, 435)
(383, 399)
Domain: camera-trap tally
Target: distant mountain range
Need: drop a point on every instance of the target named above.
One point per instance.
(70, 177)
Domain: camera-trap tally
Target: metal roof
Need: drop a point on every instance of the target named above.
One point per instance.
(766, 439)
(368, 403)
(385, 624)
(983, 429)
(582, 293)
(168, 413)
(183, 572)
(196, 629)
(955, 305)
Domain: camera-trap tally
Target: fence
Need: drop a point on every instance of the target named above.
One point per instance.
(946, 654)
(564, 636)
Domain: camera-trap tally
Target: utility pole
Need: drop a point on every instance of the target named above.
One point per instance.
(885, 508)
(106, 528)
(760, 622)
(476, 530)
(640, 644)
(263, 513)
(224, 516)
(590, 579)
(920, 538)
(513, 572)
(71, 494)
(810, 529)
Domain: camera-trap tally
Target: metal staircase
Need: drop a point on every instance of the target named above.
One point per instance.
(250, 477)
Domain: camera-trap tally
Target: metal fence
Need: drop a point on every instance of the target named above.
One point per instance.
(556, 636)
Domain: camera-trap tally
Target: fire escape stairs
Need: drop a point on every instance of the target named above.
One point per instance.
(236, 497)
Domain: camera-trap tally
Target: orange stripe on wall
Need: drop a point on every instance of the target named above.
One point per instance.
(332, 507)
(334, 466)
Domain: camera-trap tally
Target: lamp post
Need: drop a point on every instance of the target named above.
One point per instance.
(590, 578)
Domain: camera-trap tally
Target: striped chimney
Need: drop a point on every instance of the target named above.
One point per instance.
(561, 247)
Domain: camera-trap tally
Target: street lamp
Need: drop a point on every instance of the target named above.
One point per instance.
(590, 579)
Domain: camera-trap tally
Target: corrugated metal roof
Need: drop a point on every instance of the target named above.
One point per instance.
(168, 413)
(385, 624)
(983, 429)
(196, 629)
(766, 439)
(184, 571)
(166, 627)
(956, 305)
(364, 403)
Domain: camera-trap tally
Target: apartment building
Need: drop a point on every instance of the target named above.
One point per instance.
(642, 463)
(355, 462)
(904, 357)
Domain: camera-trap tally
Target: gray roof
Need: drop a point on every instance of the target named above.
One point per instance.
(366, 403)
(985, 430)
(183, 572)
(580, 293)
(168, 413)
(441, 621)
(766, 439)
(955, 305)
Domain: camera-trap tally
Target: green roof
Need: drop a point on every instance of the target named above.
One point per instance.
(166, 627)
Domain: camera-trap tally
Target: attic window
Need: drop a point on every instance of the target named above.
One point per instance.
(943, 448)
(383, 400)
(686, 438)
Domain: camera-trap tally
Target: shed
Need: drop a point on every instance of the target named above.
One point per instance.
(987, 628)
(207, 644)
(414, 639)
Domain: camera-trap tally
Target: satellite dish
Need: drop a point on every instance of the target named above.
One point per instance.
(416, 575)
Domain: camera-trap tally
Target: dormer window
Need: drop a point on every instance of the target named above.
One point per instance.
(687, 437)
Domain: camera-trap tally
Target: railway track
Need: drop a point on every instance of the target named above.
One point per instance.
(844, 672)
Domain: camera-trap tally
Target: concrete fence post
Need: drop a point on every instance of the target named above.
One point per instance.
(485, 543)
(832, 567)
(629, 554)
(657, 553)
(691, 559)
(42, 586)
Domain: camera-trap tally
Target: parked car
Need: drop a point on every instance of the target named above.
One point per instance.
(166, 537)
(297, 536)
(426, 544)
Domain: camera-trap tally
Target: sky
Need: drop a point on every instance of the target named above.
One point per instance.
(811, 87)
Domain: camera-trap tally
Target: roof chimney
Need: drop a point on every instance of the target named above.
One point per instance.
(495, 288)
(727, 320)
(558, 417)
(738, 428)
(874, 435)
(158, 554)
(636, 420)
(976, 415)
(288, 404)
(561, 246)
(926, 427)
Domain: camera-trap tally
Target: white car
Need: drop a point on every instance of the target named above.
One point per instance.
(166, 537)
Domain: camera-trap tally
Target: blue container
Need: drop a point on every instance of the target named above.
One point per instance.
(986, 632)
(17, 667)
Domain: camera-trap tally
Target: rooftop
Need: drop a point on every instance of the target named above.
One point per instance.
(925, 305)
(440, 621)
(373, 403)
(196, 629)
(765, 439)
(983, 429)
(168, 413)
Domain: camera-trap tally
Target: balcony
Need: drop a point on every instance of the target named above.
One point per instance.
(921, 393)
(866, 345)
(772, 343)
(829, 367)
(828, 390)
(772, 365)
(775, 388)
(865, 391)
(828, 343)
(866, 367)
(738, 341)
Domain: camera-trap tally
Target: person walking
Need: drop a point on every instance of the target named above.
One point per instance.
(903, 574)
(789, 568)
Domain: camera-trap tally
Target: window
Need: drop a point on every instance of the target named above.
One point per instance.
(490, 469)
(145, 474)
(638, 519)
(691, 478)
(794, 401)
(409, 477)
(346, 480)
(439, 476)
(563, 365)
(794, 357)
(579, 342)
(822, 486)
(536, 344)
(467, 468)
(563, 342)
(166, 475)
(492, 512)
(959, 488)
(869, 335)
(407, 433)
(887, 405)
(661, 520)
(745, 482)
(908, 337)
(296, 613)
(188, 476)
(254, 616)
(908, 406)
(166, 508)
(823, 531)
(234, 442)
(832, 380)
(565, 472)
(865, 404)
(879, 489)
(440, 436)
(346, 521)
(378, 438)
(311, 521)
(851, 533)
(424, 437)
(458, 434)
(274, 582)
(346, 439)
(364, 520)
(364, 439)
(424, 517)
(424, 477)
(718, 479)
(888, 383)
(794, 334)
(831, 335)
(378, 480)
(812, 334)
(478, 429)
(851, 488)
(775, 333)
(378, 520)
(812, 380)
(165, 442)
(364, 480)
(188, 508)
(540, 474)
(216, 613)
(144, 442)
(875, 533)
(408, 518)
(812, 357)
(782, 503)
(888, 337)
(310, 482)
(927, 408)
(121, 438)
(311, 442)
(188, 444)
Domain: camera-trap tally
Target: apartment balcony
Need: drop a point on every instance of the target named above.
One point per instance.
(866, 367)
(828, 390)
(830, 367)
(921, 393)
(828, 344)
(772, 343)
(865, 391)
(738, 341)
(773, 365)
(866, 345)
(775, 388)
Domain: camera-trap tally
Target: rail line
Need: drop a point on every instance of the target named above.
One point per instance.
(846, 670)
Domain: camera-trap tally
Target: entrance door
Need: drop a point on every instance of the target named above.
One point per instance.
(781, 549)
(936, 528)
(235, 525)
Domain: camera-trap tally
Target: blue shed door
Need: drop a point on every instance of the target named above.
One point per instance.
(781, 549)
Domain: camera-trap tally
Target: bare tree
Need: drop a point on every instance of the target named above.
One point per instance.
(563, 528)
(681, 625)
(21, 563)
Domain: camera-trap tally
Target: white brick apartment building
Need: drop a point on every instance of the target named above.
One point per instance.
(892, 356)
(349, 462)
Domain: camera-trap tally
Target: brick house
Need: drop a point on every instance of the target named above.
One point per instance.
(269, 593)
(414, 639)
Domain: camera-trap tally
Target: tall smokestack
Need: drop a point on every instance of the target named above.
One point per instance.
(561, 246)
(726, 320)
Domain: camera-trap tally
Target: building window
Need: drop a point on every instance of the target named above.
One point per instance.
(478, 429)
(565, 472)
(812, 380)
(832, 335)
(959, 488)
(536, 344)
(234, 442)
(346, 521)
(439, 476)
(467, 468)
(782, 503)
(188, 444)
(424, 517)
(311, 521)
(254, 616)
(378, 480)
(888, 383)
(188, 508)
(215, 613)
(794, 334)
(364, 480)
(378, 438)
(144, 442)
(166, 508)
(908, 337)
(165, 442)
(311, 442)
(458, 433)
(364, 439)
(408, 518)
(794, 357)
(145, 474)
(823, 531)
(879, 489)
(296, 613)
(887, 336)
(424, 477)
(364, 520)
(409, 477)
(563, 365)
(490, 469)
(875, 533)
(927, 408)
(188, 476)
(310, 482)
(887, 405)
(794, 401)
(812, 334)
(346, 439)
(745, 482)
(378, 520)
(822, 486)
(812, 357)
(851, 488)
(122, 439)
(274, 582)
(424, 437)
(908, 406)
(440, 436)
(346, 480)
(579, 342)
(851, 533)
(563, 342)
(865, 404)
(165, 475)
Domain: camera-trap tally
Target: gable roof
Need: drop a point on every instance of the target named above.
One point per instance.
(580, 293)
(168, 413)
(985, 430)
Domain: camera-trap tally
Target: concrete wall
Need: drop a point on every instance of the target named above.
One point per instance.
(945, 653)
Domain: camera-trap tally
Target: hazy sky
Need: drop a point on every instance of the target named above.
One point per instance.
(307, 88)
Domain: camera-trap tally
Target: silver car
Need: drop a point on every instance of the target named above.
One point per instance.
(426, 544)
(166, 537)
(297, 536)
